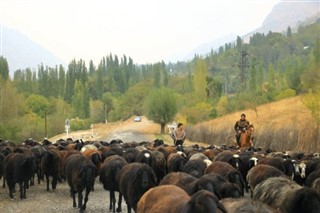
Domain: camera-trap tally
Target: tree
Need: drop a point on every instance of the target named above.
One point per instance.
(39, 105)
(312, 102)
(289, 32)
(4, 68)
(81, 100)
(200, 80)
(161, 106)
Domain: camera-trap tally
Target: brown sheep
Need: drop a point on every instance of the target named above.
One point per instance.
(172, 199)
(166, 150)
(180, 179)
(95, 157)
(65, 155)
(214, 183)
(261, 172)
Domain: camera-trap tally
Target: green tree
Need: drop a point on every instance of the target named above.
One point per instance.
(39, 105)
(77, 100)
(289, 32)
(200, 80)
(62, 81)
(4, 68)
(161, 106)
(312, 101)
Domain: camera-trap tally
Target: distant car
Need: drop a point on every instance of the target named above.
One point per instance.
(137, 119)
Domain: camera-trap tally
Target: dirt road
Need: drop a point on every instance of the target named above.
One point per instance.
(58, 201)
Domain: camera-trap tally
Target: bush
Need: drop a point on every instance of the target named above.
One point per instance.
(288, 93)
(79, 124)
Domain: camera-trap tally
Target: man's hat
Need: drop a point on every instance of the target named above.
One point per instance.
(243, 115)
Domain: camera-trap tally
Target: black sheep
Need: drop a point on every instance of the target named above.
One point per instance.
(51, 166)
(80, 173)
(176, 162)
(228, 172)
(312, 177)
(19, 168)
(195, 168)
(38, 152)
(160, 165)
(218, 185)
(134, 180)
(229, 157)
(130, 154)
(1, 164)
(109, 171)
(146, 157)
(302, 200)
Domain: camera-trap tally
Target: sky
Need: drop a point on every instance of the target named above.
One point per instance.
(146, 30)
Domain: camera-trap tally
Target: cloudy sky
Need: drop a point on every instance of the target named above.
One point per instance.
(146, 30)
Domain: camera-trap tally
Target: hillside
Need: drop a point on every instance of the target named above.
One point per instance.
(282, 125)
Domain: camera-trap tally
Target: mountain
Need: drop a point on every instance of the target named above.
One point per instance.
(206, 48)
(282, 15)
(288, 13)
(17, 49)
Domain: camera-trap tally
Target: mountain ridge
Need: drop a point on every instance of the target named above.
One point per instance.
(16, 49)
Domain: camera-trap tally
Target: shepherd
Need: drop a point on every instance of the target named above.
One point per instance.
(179, 135)
(240, 127)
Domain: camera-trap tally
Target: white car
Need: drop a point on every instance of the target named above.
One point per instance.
(137, 119)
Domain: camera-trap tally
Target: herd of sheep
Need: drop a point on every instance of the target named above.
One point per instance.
(157, 177)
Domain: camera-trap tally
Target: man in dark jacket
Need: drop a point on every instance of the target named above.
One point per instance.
(240, 127)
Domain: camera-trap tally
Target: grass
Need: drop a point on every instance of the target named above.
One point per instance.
(281, 125)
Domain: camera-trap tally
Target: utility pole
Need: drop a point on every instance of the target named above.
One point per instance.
(243, 64)
(45, 124)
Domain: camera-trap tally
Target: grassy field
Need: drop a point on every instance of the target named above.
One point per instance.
(282, 125)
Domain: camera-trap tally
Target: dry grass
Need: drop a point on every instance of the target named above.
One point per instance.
(282, 125)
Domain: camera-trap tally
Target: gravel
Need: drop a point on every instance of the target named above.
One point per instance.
(40, 201)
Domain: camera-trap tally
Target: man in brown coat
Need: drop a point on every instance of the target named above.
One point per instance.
(240, 126)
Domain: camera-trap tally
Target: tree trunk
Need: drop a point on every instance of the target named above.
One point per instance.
(163, 125)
